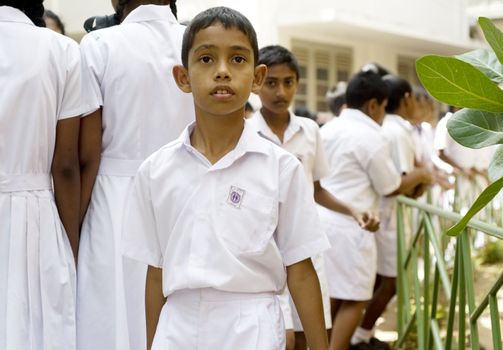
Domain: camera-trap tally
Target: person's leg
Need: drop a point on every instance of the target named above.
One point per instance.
(383, 294)
(347, 318)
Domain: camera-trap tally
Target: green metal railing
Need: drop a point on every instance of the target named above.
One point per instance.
(431, 282)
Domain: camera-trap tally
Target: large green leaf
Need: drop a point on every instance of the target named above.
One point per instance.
(493, 36)
(496, 166)
(486, 61)
(476, 129)
(458, 83)
(485, 197)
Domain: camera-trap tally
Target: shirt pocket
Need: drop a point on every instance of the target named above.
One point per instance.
(245, 226)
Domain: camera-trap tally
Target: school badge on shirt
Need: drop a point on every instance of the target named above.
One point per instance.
(235, 197)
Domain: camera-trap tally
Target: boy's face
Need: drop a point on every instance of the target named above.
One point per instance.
(279, 88)
(221, 72)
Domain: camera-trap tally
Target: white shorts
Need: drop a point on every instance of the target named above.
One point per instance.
(351, 262)
(386, 239)
(209, 319)
(292, 319)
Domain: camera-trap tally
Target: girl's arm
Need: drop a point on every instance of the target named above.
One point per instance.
(66, 177)
(305, 290)
(89, 157)
(367, 220)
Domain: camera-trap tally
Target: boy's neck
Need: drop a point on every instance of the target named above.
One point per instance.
(277, 122)
(216, 136)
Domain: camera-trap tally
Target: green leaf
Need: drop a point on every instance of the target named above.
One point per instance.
(476, 129)
(496, 167)
(485, 197)
(486, 61)
(493, 36)
(458, 83)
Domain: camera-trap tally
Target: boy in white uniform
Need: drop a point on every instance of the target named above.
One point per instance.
(301, 137)
(127, 73)
(40, 106)
(361, 170)
(222, 233)
(398, 131)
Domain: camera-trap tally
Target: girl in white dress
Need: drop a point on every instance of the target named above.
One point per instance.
(39, 180)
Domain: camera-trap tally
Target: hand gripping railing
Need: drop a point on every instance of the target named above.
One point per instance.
(423, 274)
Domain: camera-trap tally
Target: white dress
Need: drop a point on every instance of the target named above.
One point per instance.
(128, 72)
(40, 84)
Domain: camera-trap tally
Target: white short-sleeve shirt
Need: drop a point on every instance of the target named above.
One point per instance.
(232, 226)
(302, 139)
(40, 82)
(128, 71)
(361, 167)
(400, 135)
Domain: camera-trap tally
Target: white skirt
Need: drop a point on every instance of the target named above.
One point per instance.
(37, 274)
(209, 319)
(111, 289)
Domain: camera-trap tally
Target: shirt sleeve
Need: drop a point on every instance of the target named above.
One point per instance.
(140, 238)
(382, 172)
(321, 167)
(71, 100)
(298, 234)
(93, 64)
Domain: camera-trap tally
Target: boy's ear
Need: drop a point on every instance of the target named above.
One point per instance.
(259, 78)
(181, 76)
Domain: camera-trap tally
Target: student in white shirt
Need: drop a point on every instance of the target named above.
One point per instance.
(40, 106)
(223, 211)
(398, 131)
(300, 136)
(361, 170)
(128, 76)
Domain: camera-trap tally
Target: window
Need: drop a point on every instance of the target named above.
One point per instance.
(407, 69)
(322, 66)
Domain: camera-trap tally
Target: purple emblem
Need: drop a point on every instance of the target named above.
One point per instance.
(235, 197)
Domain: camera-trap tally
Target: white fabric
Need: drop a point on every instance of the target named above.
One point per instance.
(302, 139)
(399, 133)
(361, 169)
(41, 80)
(209, 319)
(221, 226)
(128, 72)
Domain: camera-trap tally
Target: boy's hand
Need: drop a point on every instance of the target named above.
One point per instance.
(367, 220)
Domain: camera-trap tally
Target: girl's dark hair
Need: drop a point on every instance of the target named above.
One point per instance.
(397, 88)
(365, 86)
(55, 18)
(34, 9)
(276, 54)
(225, 16)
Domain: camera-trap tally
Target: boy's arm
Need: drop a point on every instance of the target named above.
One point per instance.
(89, 157)
(305, 290)
(154, 301)
(367, 220)
(409, 181)
(66, 178)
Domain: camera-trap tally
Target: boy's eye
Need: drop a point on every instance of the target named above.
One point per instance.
(205, 59)
(271, 83)
(238, 59)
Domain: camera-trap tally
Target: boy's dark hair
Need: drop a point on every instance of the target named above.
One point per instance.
(55, 18)
(225, 16)
(363, 87)
(34, 9)
(276, 54)
(397, 88)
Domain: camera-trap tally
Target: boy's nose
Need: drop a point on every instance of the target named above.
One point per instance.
(222, 72)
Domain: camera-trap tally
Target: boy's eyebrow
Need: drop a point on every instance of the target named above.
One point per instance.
(211, 46)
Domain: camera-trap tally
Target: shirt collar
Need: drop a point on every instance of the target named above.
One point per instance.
(264, 130)
(358, 116)
(146, 13)
(249, 142)
(11, 14)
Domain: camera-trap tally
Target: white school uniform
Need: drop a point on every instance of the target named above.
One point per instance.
(223, 232)
(302, 139)
(40, 81)
(128, 73)
(400, 135)
(361, 171)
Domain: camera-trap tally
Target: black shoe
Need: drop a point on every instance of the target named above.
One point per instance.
(361, 346)
(377, 344)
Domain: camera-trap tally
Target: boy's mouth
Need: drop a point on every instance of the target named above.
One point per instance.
(222, 91)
